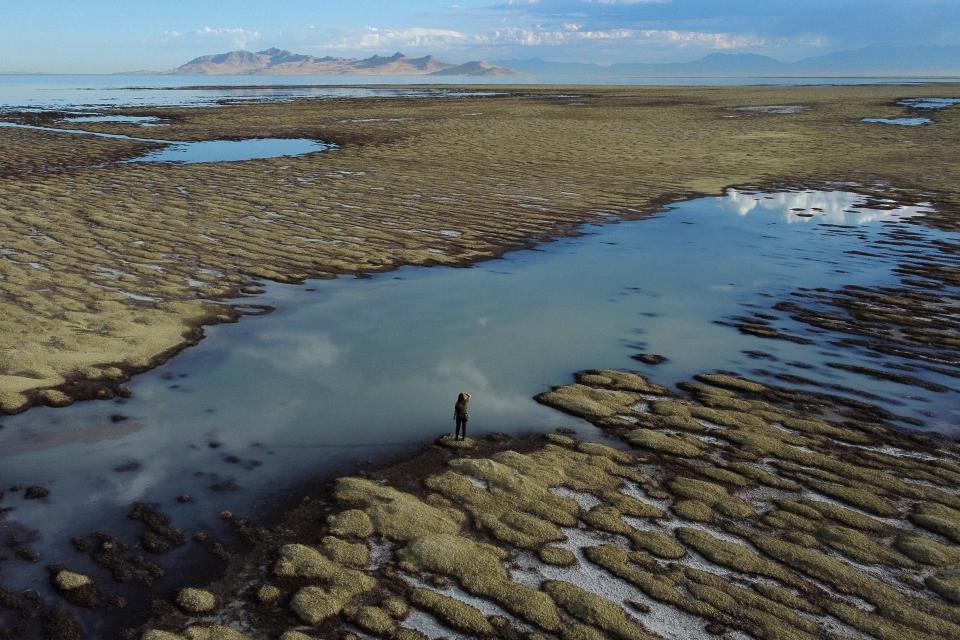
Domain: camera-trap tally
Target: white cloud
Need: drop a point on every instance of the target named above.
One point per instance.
(293, 353)
(703, 38)
(566, 33)
(375, 38)
(629, 2)
(235, 37)
(572, 33)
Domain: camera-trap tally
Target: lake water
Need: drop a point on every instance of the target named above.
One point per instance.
(103, 91)
(354, 369)
(19, 92)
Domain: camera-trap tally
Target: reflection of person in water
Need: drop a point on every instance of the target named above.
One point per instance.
(460, 414)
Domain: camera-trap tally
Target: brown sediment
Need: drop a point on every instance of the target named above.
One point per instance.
(119, 263)
(781, 524)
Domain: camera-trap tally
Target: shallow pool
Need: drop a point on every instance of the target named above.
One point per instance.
(233, 150)
(189, 152)
(141, 120)
(354, 369)
(907, 122)
(929, 103)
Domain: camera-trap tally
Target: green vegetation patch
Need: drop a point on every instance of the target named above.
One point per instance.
(658, 441)
(596, 610)
(453, 613)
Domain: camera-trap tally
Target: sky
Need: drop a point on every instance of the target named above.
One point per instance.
(103, 36)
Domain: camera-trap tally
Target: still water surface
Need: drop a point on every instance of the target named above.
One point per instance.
(353, 369)
(102, 91)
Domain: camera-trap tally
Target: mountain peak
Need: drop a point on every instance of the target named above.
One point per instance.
(276, 61)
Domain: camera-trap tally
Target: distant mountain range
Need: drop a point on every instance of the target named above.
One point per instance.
(869, 61)
(280, 62)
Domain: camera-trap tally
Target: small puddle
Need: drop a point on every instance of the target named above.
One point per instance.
(353, 369)
(773, 108)
(149, 121)
(918, 104)
(907, 122)
(234, 150)
(929, 103)
(190, 152)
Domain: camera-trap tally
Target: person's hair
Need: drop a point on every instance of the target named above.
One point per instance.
(463, 397)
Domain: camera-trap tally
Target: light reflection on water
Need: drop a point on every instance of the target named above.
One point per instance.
(359, 368)
(907, 122)
(191, 152)
(141, 120)
(929, 103)
(233, 150)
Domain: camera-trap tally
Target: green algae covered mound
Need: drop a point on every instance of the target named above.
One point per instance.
(775, 524)
(454, 613)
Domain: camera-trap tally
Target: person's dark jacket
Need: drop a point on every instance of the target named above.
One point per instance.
(460, 411)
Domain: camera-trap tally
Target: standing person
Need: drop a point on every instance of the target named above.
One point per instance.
(461, 415)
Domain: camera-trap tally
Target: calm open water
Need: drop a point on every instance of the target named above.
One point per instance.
(76, 91)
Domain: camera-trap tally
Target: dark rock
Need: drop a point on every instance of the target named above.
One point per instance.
(128, 466)
(34, 492)
(716, 629)
(57, 624)
(183, 498)
(112, 555)
(220, 551)
(155, 544)
(229, 484)
(249, 465)
(160, 536)
(26, 553)
(638, 606)
(649, 358)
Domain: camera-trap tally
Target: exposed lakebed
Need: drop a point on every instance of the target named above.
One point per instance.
(356, 369)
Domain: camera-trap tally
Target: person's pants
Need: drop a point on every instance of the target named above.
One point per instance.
(461, 425)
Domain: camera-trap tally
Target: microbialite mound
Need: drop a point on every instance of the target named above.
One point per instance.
(734, 506)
